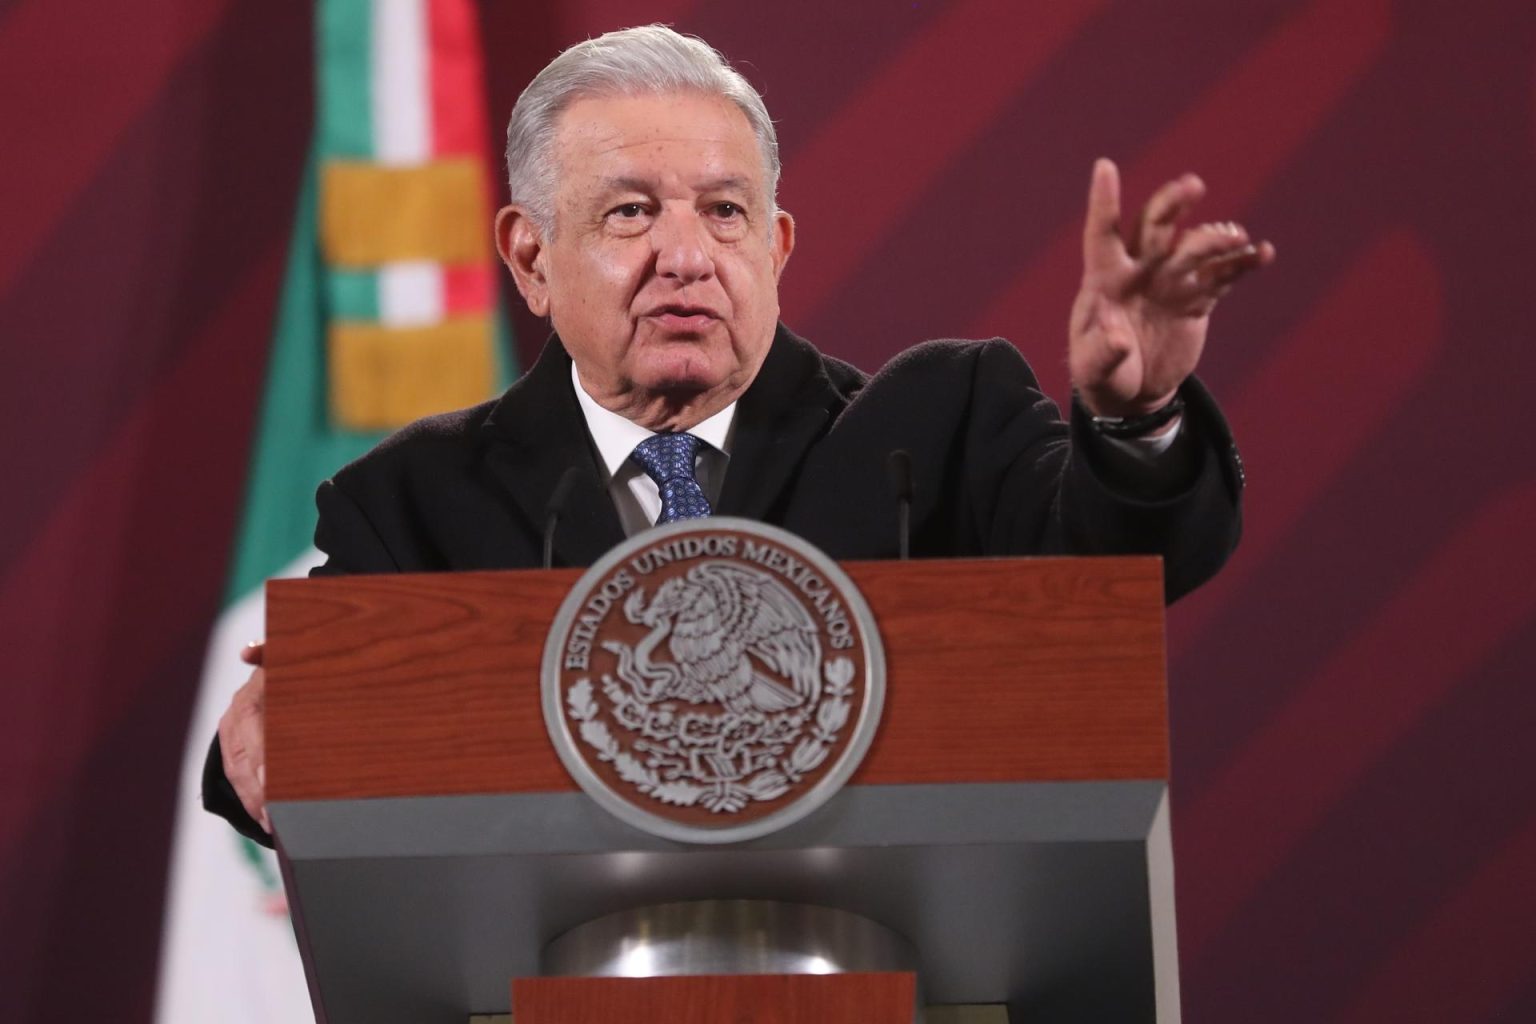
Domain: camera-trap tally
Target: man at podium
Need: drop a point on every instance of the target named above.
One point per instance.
(643, 173)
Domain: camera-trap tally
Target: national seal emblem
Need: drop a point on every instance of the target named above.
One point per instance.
(713, 680)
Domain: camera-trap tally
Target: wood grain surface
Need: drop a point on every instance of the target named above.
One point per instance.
(998, 670)
(712, 999)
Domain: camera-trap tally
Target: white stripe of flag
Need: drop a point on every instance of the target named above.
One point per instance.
(401, 93)
(411, 293)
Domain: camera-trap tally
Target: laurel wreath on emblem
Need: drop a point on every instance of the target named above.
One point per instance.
(716, 726)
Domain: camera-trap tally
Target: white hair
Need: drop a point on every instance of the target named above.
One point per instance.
(645, 61)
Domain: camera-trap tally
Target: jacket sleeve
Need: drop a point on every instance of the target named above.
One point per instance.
(347, 537)
(1042, 485)
(351, 545)
(219, 797)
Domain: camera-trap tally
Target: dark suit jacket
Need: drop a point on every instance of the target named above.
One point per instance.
(996, 471)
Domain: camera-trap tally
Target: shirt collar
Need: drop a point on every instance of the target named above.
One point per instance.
(616, 436)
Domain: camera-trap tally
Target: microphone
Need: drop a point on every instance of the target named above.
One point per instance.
(898, 470)
(557, 499)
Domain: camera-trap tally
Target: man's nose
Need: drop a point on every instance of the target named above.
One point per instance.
(682, 246)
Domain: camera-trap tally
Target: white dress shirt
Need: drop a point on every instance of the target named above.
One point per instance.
(634, 493)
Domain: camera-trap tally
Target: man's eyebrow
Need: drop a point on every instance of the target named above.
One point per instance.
(628, 183)
(727, 184)
(625, 183)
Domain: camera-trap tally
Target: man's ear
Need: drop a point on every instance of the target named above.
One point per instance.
(783, 241)
(521, 245)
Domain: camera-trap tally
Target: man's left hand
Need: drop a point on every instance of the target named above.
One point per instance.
(1139, 322)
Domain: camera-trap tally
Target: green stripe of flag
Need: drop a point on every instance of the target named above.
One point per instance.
(352, 294)
(345, 51)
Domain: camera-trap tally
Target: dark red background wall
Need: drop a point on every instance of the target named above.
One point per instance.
(1353, 700)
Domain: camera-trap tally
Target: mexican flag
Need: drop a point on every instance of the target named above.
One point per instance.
(387, 314)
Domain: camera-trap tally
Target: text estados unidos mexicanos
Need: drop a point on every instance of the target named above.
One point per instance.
(578, 644)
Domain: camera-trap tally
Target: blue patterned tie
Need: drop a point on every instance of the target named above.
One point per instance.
(668, 460)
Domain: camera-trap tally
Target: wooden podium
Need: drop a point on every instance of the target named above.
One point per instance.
(1010, 820)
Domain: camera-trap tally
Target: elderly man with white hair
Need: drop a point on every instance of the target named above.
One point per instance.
(644, 224)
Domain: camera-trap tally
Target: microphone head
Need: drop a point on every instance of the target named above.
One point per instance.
(562, 492)
(898, 470)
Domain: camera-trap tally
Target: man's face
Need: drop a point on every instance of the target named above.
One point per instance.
(662, 273)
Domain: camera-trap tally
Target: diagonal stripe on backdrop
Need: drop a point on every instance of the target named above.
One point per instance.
(1470, 956)
(1240, 133)
(867, 176)
(62, 159)
(1337, 724)
(151, 249)
(594, 17)
(76, 579)
(1391, 290)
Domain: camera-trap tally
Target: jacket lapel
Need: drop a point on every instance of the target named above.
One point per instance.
(787, 407)
(537, 432)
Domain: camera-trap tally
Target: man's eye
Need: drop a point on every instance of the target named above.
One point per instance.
(728, 210)
(629, 210)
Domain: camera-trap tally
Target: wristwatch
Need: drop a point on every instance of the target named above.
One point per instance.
(1123, 428)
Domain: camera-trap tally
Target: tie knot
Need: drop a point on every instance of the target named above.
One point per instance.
(667, 457)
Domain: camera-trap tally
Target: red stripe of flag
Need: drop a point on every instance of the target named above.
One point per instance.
(458, 103)
(456, 80)
(468, 288)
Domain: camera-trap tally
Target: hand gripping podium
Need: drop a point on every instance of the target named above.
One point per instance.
(1008, 826)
